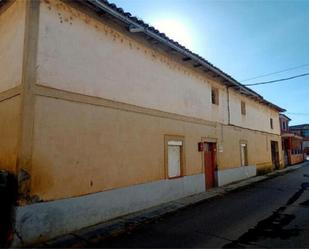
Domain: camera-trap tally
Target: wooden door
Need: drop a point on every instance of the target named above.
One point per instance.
(210, 164)
(275, 154)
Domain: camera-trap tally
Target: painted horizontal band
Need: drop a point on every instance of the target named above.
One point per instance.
(42, 90)
(81, 98)
(10, 93)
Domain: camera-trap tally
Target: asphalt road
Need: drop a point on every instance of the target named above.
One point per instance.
(269, 214)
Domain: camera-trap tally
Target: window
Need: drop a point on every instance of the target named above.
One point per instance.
(284, 127)
(174, 156)
(271, 123)
(306, 133)
(243, 154)
(243, 108)
(215, 96)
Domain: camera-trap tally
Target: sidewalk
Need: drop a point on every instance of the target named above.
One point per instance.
(90, 236)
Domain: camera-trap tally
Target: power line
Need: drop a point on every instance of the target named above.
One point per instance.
(274, 81)
(276, 72)
(300, 114)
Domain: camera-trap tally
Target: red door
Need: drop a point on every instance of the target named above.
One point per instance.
(210, 164)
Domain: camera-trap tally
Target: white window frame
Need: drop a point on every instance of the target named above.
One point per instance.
(170, 143)
(244, 154)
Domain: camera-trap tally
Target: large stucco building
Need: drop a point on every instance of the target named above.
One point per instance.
(101, 115)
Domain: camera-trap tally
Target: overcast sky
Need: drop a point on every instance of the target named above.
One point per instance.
(243, 38)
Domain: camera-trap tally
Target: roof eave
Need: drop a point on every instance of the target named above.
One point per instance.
(135, 27)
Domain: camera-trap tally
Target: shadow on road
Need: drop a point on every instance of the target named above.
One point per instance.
(273, 226)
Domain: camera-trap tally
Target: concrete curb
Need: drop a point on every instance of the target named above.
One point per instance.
(90, 236)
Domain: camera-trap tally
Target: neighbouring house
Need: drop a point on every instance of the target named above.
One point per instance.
(292, 143)
(302, 130)
(103, 115)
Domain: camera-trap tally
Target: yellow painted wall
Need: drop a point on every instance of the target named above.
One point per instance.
(258, 144)
(81, 148)
(12, 26)
(9, 127)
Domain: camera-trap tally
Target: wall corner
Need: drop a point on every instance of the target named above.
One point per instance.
(24, 154)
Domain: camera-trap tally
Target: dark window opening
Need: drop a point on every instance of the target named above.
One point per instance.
(215, 96)
(243, 108)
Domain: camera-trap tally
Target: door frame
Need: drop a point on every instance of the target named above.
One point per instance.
(215, 141)
(275, 161)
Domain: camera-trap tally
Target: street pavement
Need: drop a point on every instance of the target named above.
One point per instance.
(268, 214)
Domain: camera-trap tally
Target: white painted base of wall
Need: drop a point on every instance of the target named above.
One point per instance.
(46, 220)
(236, 174)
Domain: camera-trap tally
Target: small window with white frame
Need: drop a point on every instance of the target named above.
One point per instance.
(174, 156)
(244, 154)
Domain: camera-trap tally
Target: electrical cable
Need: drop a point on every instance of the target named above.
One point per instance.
(279, 80)
(276, 72)
(300, 114)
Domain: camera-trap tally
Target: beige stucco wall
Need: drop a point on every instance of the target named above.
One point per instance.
(12, 26)
(9, 127)
(257, 116)
(82, 147)
(80, 54)
(72, 143)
